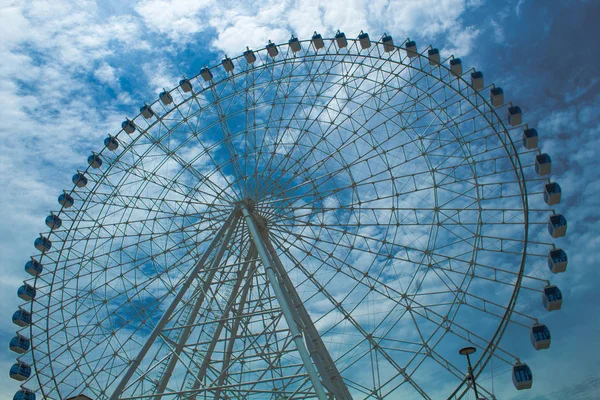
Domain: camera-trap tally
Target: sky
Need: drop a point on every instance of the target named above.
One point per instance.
(72, 70)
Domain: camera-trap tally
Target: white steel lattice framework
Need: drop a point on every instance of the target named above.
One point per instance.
(303, 221)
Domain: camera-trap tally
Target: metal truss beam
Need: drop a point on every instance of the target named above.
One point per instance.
(288, 312)
(332, 378)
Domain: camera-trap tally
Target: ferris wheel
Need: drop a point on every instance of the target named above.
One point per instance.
(323, 218)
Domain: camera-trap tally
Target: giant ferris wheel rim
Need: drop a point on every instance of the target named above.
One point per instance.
(509, 147)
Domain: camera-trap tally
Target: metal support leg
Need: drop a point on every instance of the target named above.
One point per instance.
(230, 303)
(185, 333)
(327, 369)
(285, 307)
(166, 317)
(235, 327)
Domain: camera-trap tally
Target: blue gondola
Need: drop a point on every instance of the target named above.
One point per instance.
(206, 74)
(66, 200)
(20, 371)
(111, 143)
(128, 126)
(33, 267)
(552, 193)
(53, 221)
(557, 261)
(42, 244)
(272, 49)
(80, 180)
(477, 80)
(317, 41)
(26, 292)
(294, 44)
(94, 161)
(340, 39)
(147, 111)
(497, 96)
(21, 318)
(185, 85)
(24, 394)
(530, 138)
(514, 115)
(552, 298)
(522, 376)
(250, 56)
(557, 225)
(227, 64)
(543, 164)
(364, 40)
(434, 56)
(411, 49)
(540, 336)
(456, 66)
(19, 344)
(388, 43)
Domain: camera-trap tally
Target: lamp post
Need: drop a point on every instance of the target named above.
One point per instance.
(466, 351)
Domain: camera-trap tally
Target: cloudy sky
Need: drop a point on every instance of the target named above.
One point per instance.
(72, 70)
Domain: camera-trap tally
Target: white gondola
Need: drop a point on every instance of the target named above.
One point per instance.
(94, 161)
(388, 43)
(21, 318)
(497, 96)
(185, 85)
(340, 39)
(66, 200)
(552, 193)
(111, 143)
(557, 225)
(552, 298)
(294, 44)
(514, 115)
(165, 97)
(33, 267)
(272, 49)
(53, 221)
(456, 66)
(477, 80)
(250, 56)
(147, 111)
(24, 394)
(364, 40)
(227, 64)
(434, 56)
(79, 180)
(317, 41)
(530, 138)
(206, 74)
(543, 164)
(128, 126)
(19, 344)
(540, 336)
(521, 376)
(20, 371)
(557, 261)
(411, 49)
(42, 244)
(26, 292)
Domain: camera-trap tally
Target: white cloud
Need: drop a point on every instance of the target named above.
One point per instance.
(179, 20)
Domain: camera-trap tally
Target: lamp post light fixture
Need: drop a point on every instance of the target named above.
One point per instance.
(466, 351)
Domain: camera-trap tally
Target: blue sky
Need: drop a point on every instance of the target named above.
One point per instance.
(71, 71)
